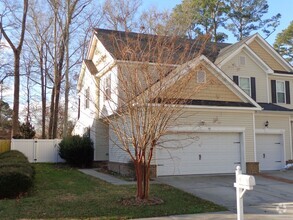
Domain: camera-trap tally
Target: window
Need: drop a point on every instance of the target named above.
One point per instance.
(107, 91)
(281, 92)
(242, 60)
(201, 76)
(245, 85)
(87, 98)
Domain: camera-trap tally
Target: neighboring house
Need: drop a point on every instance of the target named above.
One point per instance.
(245, 120)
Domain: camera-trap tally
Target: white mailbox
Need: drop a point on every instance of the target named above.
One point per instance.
(245, 181)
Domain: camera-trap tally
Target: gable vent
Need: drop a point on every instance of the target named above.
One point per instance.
(201, 76)
(242, 60)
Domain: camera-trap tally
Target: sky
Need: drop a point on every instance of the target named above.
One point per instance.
(284, 7)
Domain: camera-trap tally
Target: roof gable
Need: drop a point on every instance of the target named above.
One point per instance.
(264, 50)
(218, 81)
(260, 50)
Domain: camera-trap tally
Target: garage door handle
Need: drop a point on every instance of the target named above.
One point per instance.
(237, 163)
(160, 165)
(278, 161)
(238, 142)
(277, 143)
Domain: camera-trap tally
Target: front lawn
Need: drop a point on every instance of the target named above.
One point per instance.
(61, 192)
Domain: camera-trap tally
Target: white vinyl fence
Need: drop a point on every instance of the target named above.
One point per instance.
(38, 150)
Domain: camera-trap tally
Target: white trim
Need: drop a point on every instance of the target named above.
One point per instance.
(198, 129)
(249, 83)
(254, 136)
(270, 131)
(285, 101)
(290, 139)
(282, 75)
(271, 51)
(252, 55)
(268, 89)
(229, 82)
(222, 107)
(243, 151)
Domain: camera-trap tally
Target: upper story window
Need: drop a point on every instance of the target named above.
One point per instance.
(107, 89)
(201, 76)
(87, 98)
(245, 85)
(281, 92)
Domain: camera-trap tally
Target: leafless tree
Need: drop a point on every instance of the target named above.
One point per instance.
(16, 48)
(151, 91)
(121, 14)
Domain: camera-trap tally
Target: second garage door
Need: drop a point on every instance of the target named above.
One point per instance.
(269, 151)
(199, 153)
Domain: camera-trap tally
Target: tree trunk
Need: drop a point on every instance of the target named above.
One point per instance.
(15, 114)
(52, 106)
(67, 87)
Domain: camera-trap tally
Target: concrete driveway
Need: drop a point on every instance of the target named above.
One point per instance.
(268, 197)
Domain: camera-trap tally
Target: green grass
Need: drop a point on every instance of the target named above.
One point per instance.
(61, 192)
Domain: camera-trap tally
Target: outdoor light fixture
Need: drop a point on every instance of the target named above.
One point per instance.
(266, 124)
(202, 122)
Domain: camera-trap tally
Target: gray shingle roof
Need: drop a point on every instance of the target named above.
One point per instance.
(143, 47)
(273, 107)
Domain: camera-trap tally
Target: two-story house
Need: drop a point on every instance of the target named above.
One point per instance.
(246, 119)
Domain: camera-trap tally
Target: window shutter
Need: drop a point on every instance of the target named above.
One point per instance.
(236, 79)
(253, 89)
(287, 87)
(273, 88)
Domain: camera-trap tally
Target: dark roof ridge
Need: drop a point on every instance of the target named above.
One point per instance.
(155, 35)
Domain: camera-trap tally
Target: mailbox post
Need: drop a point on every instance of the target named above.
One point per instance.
(243, 183)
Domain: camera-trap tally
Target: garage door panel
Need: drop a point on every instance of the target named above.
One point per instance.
(269, 151)
(199, 153)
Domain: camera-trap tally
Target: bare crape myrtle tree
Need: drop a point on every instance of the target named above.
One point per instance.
(153, 75)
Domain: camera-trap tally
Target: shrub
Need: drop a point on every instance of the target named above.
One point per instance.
(16, 174)
(77, 151)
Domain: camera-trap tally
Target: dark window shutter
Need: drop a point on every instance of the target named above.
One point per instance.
(287, 86)
(236, 79)
(274, 93)
(253, 89)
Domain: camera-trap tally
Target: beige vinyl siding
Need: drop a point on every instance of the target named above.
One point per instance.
(290, 79)
(212, 89)
(221, 119)
(265, 56)
(101, 141)
(276, 122)
(250, 69)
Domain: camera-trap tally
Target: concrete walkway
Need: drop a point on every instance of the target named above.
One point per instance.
(221, 216)
(107, 178)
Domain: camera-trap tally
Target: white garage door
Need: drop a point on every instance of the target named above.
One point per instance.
(198, 153)
(269, 151)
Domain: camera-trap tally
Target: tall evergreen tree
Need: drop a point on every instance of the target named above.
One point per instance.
(193, 17)
(284, 43)
(247, 16)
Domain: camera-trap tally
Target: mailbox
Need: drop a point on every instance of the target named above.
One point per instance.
(245, 181)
